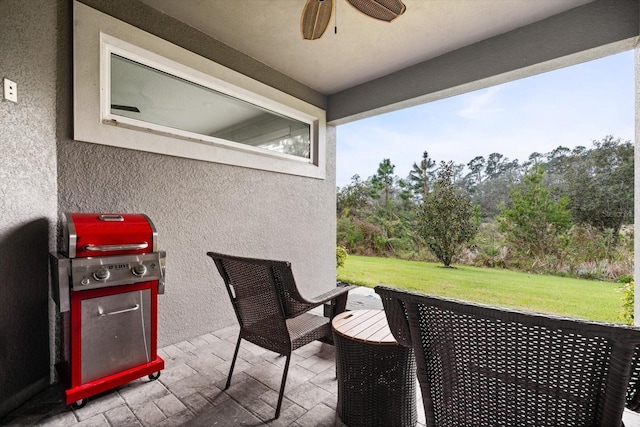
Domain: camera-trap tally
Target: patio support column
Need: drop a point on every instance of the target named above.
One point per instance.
(636, 202)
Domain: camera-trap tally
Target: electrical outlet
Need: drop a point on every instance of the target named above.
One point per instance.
(10, 90)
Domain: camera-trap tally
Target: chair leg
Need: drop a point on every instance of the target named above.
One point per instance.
(338, 305)
(284, 380)
(233, 362)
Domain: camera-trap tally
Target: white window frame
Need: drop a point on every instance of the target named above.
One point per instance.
(97, 36)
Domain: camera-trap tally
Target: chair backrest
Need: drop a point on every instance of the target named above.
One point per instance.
(251, 288)
(480, 365)
(263, 294)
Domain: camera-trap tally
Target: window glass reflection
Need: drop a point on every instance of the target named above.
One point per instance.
(144, 93)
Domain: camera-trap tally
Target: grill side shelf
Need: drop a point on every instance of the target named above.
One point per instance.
(60, 267)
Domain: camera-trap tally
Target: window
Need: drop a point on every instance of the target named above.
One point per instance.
(141, 93)
(155, 96)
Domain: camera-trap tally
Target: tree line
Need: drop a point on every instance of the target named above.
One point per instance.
(567, 211)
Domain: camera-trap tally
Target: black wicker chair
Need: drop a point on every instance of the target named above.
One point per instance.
(271, 312)
(485, 366)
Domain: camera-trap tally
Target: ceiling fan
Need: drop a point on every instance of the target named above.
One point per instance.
(317, 14)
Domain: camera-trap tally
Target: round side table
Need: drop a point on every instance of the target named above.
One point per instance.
(376, 375)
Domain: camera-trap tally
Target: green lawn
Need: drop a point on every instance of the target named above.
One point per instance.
(587, 299)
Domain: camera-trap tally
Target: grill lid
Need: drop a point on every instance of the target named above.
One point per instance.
(96, 234)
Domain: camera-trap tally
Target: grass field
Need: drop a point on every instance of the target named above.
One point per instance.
(587, 299)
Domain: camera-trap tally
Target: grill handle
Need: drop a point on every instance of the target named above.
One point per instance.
(108, 248)
(107, 217)
(102, 314)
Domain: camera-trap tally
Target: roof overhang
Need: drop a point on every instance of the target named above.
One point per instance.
(435, 50)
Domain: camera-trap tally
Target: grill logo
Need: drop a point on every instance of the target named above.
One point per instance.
(118, 266)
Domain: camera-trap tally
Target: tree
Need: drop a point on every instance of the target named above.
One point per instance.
(491, 194)
(557, 160)
(489, 189)
(383, 181)
(556, 166)
(532, 221)
(352, 199)
(534, 159)
(476, 166)
(446, 218)
(600, 185)
(421, 175)
(296, 145)
(368, 224)
(496, 165)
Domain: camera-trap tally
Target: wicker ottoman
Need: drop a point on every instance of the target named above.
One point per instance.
(376, 375)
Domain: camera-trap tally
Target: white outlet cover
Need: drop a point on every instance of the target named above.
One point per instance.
(10, 90)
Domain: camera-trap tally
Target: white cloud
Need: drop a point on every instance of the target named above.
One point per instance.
(482, 104)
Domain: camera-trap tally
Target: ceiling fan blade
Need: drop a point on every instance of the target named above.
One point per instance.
(385, 10)
(315, 18)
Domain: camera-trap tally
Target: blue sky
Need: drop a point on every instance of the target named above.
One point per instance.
(570, 107)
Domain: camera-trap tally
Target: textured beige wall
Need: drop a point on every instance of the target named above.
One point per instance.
(27, 196)
(201, 206)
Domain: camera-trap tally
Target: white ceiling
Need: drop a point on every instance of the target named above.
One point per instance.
(363, 48)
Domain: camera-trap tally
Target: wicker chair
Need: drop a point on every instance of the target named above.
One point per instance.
(271, 312)
(485, 366)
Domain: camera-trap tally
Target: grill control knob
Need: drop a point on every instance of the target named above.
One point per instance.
(101, 274)
(139, 270)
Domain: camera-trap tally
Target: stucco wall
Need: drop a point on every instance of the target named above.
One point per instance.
(27, 196)
(201, 206)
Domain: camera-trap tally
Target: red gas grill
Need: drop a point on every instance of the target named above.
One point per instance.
(107, 278)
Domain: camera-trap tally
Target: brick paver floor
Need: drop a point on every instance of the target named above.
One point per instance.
(190, 388)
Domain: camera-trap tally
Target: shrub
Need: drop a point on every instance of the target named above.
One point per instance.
(488, 248)
(626, 316)
(341, 255)
(625, 278)
(589, 253)
(533, 222)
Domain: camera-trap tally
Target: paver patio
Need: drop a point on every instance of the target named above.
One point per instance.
(190, 389)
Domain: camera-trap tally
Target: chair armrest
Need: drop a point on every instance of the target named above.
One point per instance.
(335, 301)
(332, 294)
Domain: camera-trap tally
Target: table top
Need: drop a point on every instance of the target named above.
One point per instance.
(368, 326)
